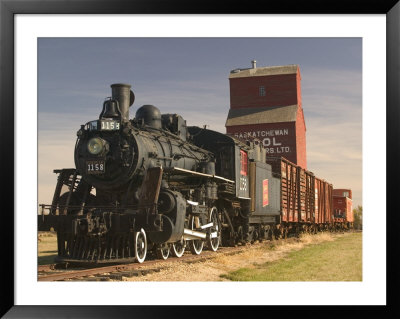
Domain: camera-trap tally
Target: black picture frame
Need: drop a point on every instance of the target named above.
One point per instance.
(8, 10)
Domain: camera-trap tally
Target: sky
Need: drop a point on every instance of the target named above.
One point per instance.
(189, 76)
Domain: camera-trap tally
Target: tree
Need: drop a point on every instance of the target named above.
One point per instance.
(357, 212)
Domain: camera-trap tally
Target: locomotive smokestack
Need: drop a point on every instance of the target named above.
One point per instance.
(253, 62)
(123, 94)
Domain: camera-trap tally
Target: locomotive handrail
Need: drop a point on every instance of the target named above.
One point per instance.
(186, 171)
(89, 207)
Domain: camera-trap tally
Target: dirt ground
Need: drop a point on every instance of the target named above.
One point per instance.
(211, 270)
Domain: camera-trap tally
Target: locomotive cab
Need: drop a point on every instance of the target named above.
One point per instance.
(252, 203)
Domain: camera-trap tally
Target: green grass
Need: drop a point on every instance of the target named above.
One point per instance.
(47, 248)
(339, 260)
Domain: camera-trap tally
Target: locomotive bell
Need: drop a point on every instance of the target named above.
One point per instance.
(110, 109)
(125, 97)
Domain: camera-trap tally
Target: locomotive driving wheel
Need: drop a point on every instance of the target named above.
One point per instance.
(140, 245)
(162, 251)
(178, 248)
(196, 245)
(214, 235)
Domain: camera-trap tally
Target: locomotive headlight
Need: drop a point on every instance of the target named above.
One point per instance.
(96, 145)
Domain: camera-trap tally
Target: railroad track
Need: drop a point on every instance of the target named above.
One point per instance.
(59, 272)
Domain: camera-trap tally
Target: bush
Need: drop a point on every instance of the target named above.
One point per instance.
(357, 217)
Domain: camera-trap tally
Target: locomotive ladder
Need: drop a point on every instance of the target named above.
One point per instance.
(70, 178)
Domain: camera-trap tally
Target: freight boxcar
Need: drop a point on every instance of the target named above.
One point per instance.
(323, 203)
(306, 200)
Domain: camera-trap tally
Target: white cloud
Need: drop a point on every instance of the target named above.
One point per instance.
(332, 94)
(333, 114)
(55, 151)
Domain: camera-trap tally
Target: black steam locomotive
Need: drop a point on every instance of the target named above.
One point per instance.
(153, 184)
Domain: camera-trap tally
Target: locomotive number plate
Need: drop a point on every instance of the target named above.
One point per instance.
(107, 125)
(95, 167)
(104, 125)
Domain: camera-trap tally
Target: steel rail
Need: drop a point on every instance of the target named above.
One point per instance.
(132, 266)
(46, 267)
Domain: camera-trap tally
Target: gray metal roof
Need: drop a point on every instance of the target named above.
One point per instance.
(261, 115)
(268, 70)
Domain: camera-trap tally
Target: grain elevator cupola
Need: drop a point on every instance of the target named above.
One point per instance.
(265, 104)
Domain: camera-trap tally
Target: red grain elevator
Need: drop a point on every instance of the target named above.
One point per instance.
(265, 104)
(343, 204)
